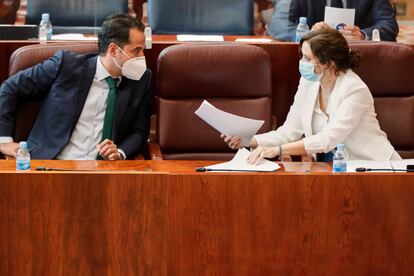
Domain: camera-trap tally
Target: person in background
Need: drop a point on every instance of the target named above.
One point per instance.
(280, 26)
(8, 11)
(94, 106)
(369, 15)
(332, 106)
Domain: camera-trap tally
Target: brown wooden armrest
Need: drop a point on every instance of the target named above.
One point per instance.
(154, 151)
(139, 156)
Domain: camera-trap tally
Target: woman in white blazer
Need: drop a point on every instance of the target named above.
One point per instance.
(332, 106)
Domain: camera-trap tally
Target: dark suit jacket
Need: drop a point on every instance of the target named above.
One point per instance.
(63, 82)
(369, 15)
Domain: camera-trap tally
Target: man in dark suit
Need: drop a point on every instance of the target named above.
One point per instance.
(94, 106)
(369, 15)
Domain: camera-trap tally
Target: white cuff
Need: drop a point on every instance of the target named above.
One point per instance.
(122, 154)
(6, 139)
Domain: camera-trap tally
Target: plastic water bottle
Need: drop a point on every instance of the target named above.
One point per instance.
(45, 28)
(23, 157)
(340, 159)
(302, 29)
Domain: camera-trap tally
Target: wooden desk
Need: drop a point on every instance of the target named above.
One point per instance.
(284, 57)
(165, 219)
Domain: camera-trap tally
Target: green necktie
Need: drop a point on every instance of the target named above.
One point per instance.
(109, 112)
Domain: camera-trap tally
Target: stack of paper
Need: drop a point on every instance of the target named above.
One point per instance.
(74, 37)
(401, 164)
(192, 38)
(353, 164)
(228, 123)
(254, 40)
(239, 163)
(379, 166)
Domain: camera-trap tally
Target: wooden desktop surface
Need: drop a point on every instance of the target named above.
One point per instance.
(163, 218)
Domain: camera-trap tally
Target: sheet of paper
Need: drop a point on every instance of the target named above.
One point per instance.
(353, 164)
(191, 38)
(74, 37)
(239, 163)
(401, 164)
(228, 123)
(334, 16)
(254, 40)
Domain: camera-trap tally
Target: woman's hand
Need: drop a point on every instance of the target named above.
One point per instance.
(234, 142)
(260, 153)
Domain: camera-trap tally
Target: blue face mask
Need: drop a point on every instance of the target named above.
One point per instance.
(307, 70)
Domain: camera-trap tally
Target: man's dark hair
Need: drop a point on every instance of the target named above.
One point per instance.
(116, 29)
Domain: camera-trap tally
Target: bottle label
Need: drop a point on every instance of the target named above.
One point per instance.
(339, 167)
(22, 165)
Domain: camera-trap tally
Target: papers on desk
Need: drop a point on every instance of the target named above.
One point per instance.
(379, 166)
(254, 40)
(228, 123)
(334, 16)
(401, 164)
(353, 164)
(193, 38)
(77, 37)
(238, 163)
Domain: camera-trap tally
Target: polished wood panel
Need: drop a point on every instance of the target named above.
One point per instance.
(163, 218)
(291, 225)
(85, 224)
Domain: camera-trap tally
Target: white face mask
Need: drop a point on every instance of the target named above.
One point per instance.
(133, 68)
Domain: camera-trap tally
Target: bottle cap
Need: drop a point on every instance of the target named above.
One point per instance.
(302, 20)
(148, 38)
(45, 16)
(340, 146)
(23, 145)
(376, 35)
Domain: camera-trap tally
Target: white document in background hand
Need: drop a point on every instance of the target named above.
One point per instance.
(334, 16)
(239, 163)
(228, 123)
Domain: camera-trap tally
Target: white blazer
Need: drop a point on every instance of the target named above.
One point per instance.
(352, 121)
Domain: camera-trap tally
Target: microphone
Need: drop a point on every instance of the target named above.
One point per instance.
(74, 170)
(203, 169)
(410, 168)
(57, 169)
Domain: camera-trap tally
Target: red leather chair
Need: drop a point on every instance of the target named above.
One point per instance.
(26, 57)
(233, 77)
(386, 68)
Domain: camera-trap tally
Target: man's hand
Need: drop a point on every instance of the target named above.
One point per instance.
(320, 26)
(108, 150)
(352, 33)
(9, 149)
(348, 31)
